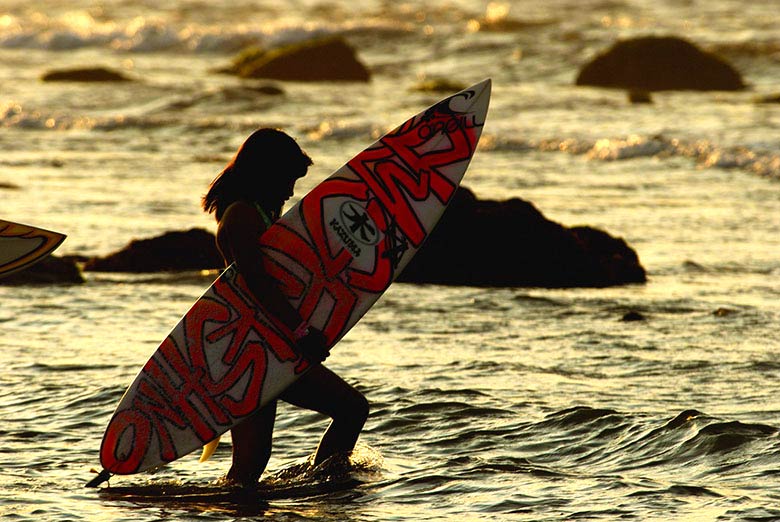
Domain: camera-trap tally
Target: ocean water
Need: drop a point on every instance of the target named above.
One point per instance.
(487, 403)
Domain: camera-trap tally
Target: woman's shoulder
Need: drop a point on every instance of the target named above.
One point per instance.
(241, 211)
(238, 230)
(240, 219)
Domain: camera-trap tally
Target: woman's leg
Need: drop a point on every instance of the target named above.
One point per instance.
(252, 445)
(325, 392)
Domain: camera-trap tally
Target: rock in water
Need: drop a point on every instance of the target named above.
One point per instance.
(510, 243)
(85, 74)
(47, 271)
(194, 249)
(658, 64)
(477, 242)
(324, 59)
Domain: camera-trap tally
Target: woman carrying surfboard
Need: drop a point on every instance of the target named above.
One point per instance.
(334, 253)
(246, 198)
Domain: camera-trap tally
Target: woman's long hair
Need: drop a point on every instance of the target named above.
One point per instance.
(264, 162)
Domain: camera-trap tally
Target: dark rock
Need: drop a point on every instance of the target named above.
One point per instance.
(268, 89)
(694, 267)
(324, 59)
(477, 242)
(769, 98)
(85, 74)
(636, 97)
(632, 316)
(194, 249)
(657, 64)
(50, 270)
(510, 243)
(724, 312)
(613, 261)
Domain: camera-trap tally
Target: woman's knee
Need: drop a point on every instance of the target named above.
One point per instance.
(362, 407)
(354, 408)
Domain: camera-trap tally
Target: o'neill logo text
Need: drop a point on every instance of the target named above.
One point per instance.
(355, 227)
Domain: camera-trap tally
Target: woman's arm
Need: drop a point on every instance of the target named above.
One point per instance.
(237, 235)
(237, 238)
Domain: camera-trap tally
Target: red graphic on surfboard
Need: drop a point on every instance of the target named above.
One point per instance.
(333, 255)
(23, 245)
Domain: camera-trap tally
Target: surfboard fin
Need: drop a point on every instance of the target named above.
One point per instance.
(103, 476)
(209, 449)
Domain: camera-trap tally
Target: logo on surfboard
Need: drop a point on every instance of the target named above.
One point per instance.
(355, 227)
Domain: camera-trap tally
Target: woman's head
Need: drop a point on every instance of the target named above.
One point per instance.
(263, 170)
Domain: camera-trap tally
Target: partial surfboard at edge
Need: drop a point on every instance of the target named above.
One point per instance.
(23, 245)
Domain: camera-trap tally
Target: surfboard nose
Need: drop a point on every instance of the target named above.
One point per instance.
(481, 91)
(474, 100)
(482, 88)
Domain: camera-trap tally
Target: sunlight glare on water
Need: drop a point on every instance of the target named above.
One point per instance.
(648, 402)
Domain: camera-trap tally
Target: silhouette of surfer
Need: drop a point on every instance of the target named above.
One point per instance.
(246, 198)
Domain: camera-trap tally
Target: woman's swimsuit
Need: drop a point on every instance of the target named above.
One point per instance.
(263, 215)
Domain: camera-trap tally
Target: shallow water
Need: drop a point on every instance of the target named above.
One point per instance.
(487, 403)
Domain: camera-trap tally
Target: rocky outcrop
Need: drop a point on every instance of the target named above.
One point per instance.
(323, 59)
(47, 271)
(510, 243)
(85, 74)
(194, 249)
(657, 64)
(477, 242)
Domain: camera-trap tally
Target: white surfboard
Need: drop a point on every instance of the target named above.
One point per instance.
(333, 254)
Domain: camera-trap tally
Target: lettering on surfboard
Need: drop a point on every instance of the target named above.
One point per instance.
(180, 388)
(185, 387)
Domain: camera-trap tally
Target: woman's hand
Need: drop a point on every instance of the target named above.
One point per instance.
(313, 346)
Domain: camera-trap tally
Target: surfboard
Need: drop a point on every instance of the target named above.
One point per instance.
(333, 254)
(23, 245)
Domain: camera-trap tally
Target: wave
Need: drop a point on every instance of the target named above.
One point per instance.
(168, 112)
(214, 31)
(607, 440)
(704, 153)
(172, 110)
(768, 47)
(147, 34)
(586, 439)
(620, 454)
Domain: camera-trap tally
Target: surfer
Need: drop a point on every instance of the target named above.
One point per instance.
(246, 197)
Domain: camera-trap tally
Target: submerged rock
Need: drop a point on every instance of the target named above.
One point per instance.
(322, 59)
(193, 249)
(477, 242)
(50, 270)
(85, 74)
(8, 186)
(769, 98)
(633, 316)
(660, 63)
(510, 243)
(637, 96)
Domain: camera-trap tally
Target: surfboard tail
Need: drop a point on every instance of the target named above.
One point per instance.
(209, 449)
(103, 476)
